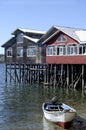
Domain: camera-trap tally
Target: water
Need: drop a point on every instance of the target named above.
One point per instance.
(20, 105)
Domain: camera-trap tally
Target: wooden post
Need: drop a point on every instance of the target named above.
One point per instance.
(15, 72)
(20, 73)
(51, 68)
(45, 75)
(38, 73)
(72, 74)
(67, 75)
(5, 72)
(61, 75)
(55, 75)
(30, 74)
(82, 76)
(10, 73)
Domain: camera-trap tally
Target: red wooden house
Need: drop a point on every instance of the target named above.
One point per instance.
(64, 45)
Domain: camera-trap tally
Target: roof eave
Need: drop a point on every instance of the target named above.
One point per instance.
(41, 39)
(29, 31)
(50, 37)
(82, 42)
(7, 42)
(33, 40)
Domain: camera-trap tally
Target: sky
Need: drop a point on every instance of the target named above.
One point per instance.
(39, 15)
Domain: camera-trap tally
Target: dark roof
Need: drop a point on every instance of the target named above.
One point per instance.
(8, 43)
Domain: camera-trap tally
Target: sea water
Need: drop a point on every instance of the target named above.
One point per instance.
(21, 105)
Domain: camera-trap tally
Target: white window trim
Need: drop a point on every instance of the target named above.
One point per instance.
(21, 36)
(34, 55)
(61, 46)
(70, 45)
(53, 52)
(9, 49)
(70, 49)
(82, 46)
(17, 52)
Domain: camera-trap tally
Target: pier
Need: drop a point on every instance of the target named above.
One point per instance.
(57, 75)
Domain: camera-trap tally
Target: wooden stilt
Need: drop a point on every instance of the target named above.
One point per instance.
(67, 75)
(30, 74)
(82, 76)
(15, 73)
(55, 75)
(5, 72)
(72, 74)
(19, 73)
(61, 74)
(47, 73)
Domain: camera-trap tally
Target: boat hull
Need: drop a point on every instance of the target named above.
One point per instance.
(62, 118)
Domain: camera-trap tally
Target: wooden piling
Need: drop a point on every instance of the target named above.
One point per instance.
(82, 76)
(67, 75)
(53, 74)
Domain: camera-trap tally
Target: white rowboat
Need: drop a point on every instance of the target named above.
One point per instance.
(60, 114)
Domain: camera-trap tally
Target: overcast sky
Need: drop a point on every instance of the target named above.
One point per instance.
(39, 15)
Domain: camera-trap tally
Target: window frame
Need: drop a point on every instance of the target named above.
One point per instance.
(21, 53)
(51, 50)
(20, 38)
(32, 49)
(61, 50)
(72, 49)
(9, 51)
(83, 49)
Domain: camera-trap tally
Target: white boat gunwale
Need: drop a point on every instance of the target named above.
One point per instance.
(65, 108)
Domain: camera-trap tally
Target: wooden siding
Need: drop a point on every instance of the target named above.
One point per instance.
(64, 59)
(53, 40)
(24, 58)
(79, 59)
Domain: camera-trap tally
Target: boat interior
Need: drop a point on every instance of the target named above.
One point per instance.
(53, 107)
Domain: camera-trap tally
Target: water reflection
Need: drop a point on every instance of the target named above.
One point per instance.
(20, 106)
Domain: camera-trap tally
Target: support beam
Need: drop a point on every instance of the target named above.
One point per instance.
(67, 75)
(82, 76)
(72, 74)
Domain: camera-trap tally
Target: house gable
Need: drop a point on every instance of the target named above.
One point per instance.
(76, 34)
(67, 39)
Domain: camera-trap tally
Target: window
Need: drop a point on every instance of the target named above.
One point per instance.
(82, 49)
(51, 50)
(20, 51)
(9, 52)
(61, 38)
(31, 51)
(61, 50)
(20, 38)
(72, 49)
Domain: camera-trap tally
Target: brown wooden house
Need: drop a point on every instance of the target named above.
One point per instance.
(64, 45)
(22, 47)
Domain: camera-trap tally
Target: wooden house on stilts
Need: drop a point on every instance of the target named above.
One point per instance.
(56, 57)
